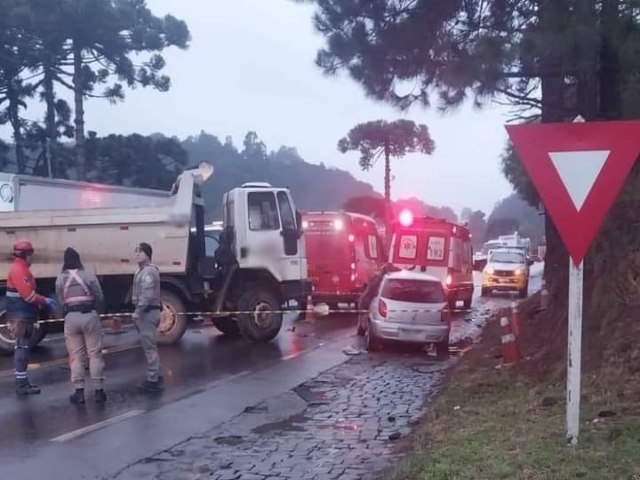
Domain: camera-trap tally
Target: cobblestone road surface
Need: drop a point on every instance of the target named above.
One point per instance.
(343, 424)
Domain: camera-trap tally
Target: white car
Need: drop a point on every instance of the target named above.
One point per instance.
(409, 307)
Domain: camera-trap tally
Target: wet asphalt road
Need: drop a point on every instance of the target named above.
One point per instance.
(203, 358)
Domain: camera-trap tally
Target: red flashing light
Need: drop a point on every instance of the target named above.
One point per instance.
(352, 237)
(406, 218)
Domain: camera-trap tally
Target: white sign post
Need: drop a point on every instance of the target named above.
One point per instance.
(574, 350)
(574, 355)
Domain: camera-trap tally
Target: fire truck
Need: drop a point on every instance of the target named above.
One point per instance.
(343, 250)
(437, 247)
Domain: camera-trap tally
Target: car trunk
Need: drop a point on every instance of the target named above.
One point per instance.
(417, 302)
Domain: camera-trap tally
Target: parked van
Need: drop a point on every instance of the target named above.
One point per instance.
(343, 250)
(439, 248)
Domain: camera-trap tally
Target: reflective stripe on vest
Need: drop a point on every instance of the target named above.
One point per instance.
(87, 297)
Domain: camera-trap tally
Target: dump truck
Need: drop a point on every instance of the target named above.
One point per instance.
(245, 291)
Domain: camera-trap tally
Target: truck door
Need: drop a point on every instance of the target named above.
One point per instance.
(274, 236)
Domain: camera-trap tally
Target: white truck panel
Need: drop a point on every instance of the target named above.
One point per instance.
(104, 237)
(37, 193)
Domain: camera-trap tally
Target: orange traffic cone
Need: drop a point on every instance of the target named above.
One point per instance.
(515, 319)
(309, 316)
(510, 350)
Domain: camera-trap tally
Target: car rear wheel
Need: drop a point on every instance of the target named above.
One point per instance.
(442, 348)
(374, 343)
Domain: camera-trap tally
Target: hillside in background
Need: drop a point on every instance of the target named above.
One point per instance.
(513, 214)
(154, 162)
(314, 187)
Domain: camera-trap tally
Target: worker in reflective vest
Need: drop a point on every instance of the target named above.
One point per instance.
(23, 303)
(79, 291)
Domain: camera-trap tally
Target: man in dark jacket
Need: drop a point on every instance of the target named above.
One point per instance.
(369, 293)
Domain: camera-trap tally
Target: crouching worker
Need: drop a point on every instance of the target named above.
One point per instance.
(79, 291)
(369, 293)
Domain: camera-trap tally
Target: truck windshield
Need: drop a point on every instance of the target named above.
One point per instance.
(507, 257)
(414, 291)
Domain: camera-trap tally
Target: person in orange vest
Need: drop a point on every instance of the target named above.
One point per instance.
(23, 303)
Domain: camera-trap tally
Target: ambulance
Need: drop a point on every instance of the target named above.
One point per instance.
(343, 250)
(439, 248)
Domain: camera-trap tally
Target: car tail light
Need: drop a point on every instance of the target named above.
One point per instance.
(445, 314)
(382, 308)
(449, 280)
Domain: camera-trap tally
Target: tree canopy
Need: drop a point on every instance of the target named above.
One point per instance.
(386, 139)
(95, 48)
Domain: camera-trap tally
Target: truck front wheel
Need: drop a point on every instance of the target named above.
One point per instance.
(173, 322)
(262, 324)
(8, 340)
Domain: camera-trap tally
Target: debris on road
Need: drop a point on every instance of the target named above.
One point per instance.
(351, 350)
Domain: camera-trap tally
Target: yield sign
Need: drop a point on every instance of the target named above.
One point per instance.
(578, 170)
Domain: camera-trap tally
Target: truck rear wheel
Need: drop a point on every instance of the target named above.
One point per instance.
(227, 325)
(262, 325)
(8, 340)
(172, 323)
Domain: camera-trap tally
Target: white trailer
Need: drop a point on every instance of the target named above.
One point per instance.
(105, 223)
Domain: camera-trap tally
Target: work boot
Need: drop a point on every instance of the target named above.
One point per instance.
(77, 398)
(28, 390)
(152, 387)
(100, 396)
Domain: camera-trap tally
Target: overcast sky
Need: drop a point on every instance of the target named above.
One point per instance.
(251, 67)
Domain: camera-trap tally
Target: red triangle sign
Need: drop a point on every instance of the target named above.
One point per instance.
(578, 170)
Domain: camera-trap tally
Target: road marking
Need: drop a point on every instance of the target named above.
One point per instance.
(96, 426)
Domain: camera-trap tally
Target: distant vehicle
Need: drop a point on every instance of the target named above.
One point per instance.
(410, 307)
(507, 269)
(343, 250)
(439, 248)
(480, 257)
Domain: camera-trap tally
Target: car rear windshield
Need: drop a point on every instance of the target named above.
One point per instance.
(415, 291)
(507, 257)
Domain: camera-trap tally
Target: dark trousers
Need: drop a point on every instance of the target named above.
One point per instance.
(22, 329)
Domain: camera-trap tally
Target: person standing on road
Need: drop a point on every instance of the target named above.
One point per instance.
(146, 315)
(80, 294)
(23, 303)
(369, 293)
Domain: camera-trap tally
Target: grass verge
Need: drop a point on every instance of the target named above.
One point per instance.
(491, 424)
